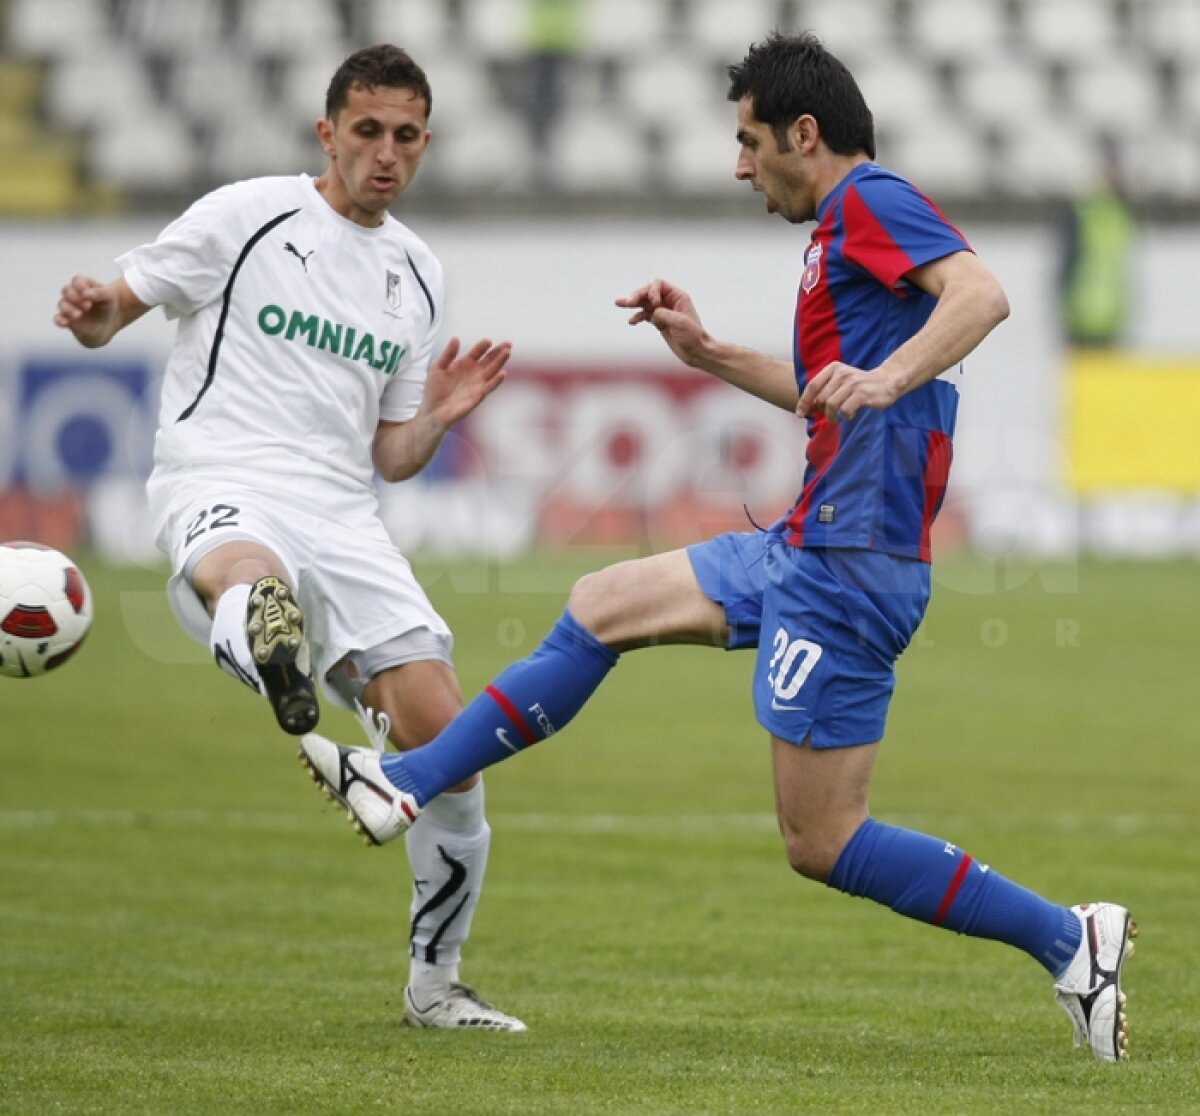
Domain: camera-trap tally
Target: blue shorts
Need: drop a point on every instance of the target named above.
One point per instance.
(828, 624)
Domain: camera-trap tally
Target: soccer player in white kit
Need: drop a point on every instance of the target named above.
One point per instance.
(303, 364)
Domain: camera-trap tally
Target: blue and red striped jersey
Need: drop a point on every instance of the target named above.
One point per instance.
(876, 481)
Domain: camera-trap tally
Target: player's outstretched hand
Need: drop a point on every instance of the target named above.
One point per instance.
(841, 391)
(88, 309)
(459, 381)
(671, 311)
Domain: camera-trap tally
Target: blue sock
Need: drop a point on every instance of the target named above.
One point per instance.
(938, 883)
(529, 701)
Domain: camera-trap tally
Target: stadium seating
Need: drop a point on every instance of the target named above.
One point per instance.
(58, 29)
(594, 150)
(87, 89)
(1065, 30)
(424, 28)
(143, 154)
(1112, 92)
(282, 27)
(852, 29)
(719, 29)
(652, 89)
(1045, 157)
(948, 158)
(233, 87)
(1170, 28)
(955, 31)
(174, 28)
(625, 29)
(1003, 90)
(902, 93)
(699, 160)
(495, 29)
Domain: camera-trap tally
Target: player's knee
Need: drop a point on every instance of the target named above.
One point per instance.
(809, 857)
(236, 563)
(591, 602)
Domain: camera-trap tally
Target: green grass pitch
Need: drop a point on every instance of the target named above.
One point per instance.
(186, 925)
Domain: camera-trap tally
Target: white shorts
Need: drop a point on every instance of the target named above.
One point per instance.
(362, 602)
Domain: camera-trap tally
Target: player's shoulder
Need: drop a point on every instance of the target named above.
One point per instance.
(870, 180)
(890, 196)
(257, 199)
(420, 255)
(415, 245)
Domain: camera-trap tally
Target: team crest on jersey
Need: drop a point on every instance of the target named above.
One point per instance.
(393, 291)
(812, 268)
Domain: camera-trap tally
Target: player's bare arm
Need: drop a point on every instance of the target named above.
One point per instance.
(96, 312)
(457, 383)
(671, 311)
(971, 303)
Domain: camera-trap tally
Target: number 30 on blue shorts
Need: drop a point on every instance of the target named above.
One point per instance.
(828, 624)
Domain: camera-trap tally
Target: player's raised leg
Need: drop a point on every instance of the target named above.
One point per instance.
(630, 605)
(258, 629)
(708, 594)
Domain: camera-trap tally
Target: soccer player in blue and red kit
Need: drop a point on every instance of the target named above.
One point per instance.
(891, 299)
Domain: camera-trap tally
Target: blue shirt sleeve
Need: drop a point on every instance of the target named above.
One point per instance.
(892, 228)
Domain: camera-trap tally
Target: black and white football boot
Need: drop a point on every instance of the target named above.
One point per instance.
(459, 1006)
(275, 632)
(1090, 990)
(354, 777)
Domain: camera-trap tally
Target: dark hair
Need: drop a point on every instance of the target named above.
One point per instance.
(789, 76)
(384, 65)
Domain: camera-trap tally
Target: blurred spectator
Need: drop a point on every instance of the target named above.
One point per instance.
(554, 34)
(1096, 253)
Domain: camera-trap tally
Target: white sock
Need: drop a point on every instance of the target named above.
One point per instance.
(448, 851)
(428, 983)
(228, 637)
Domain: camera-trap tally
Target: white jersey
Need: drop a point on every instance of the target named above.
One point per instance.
(299, 331)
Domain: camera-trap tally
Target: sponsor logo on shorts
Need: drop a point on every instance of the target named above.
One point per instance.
(826, 513)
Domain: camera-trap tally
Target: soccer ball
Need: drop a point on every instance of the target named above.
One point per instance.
(45, 609)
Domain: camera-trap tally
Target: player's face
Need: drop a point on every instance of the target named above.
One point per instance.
(374, 146)
(781, 176)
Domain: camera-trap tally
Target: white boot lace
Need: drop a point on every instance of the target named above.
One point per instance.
(375, 725)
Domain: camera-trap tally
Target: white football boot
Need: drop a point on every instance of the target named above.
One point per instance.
(1090, 990)
(354, 776)
(458, 1006)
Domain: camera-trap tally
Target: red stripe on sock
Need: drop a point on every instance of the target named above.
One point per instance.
(513, 714)
(948, 899)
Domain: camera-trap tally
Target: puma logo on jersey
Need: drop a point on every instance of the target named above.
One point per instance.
(303, 258)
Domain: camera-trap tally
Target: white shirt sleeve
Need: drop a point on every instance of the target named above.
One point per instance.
(189, 264)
